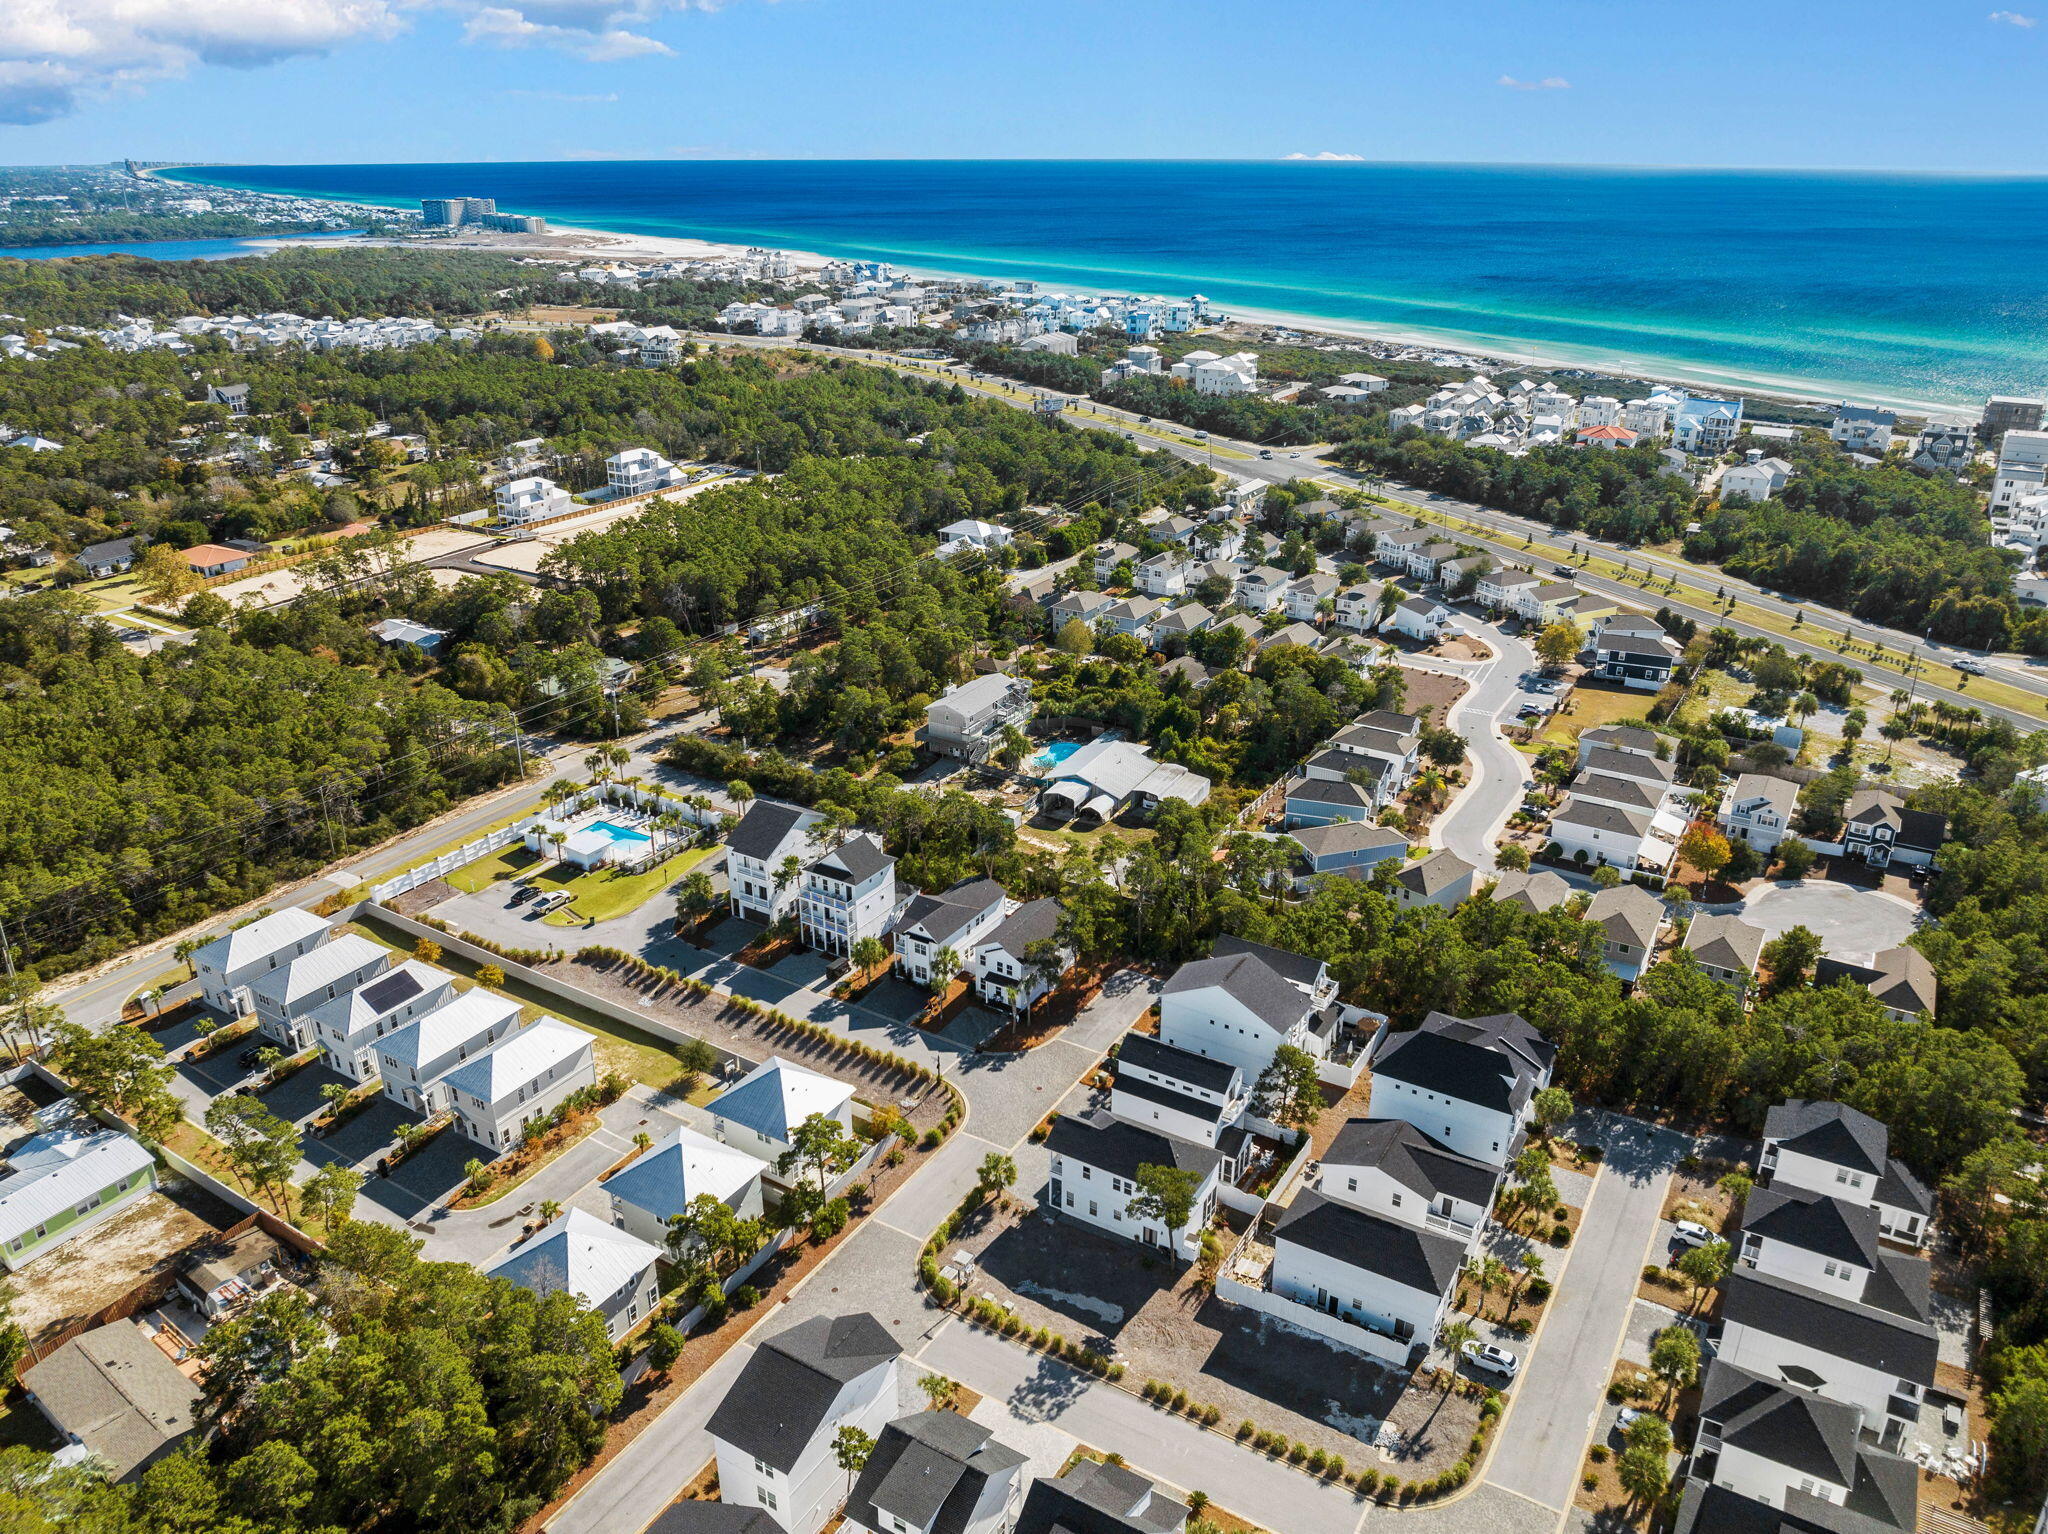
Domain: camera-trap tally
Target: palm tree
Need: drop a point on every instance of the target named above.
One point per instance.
(549, 1209)
(186, 948)
(558, 840)
(598, 765)
(1452, 1339)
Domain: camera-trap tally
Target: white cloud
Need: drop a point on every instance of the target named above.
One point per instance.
(2014, 19)
(55, 52)
(1324, 154)
(1547, 83)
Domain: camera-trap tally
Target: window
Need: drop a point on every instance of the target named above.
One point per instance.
(761, 1467)
(767, 1498)
(1092, 1210)
(1351, 1185)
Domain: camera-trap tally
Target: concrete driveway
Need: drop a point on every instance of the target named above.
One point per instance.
(1473, 822)
(1844, 918)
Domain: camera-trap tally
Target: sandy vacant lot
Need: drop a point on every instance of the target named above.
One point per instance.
(277, 586)
(109, 1260)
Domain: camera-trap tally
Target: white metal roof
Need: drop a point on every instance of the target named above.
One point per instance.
(319, 967)
(445, 1029)
(257, 941)
(53, 1173)
(527, 1054)
(579, 1253)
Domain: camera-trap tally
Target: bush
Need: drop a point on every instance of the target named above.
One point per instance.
(1598, 1453)
(1560, 1235)
(1211, 1415)
(1317, 1460)
(1368, 1480)
(1297, 1452)
(1180, 1400)
(1652, 1273)
(1538, 1290)
(1246, 1429)
(746, 1297)
(1591, 1483)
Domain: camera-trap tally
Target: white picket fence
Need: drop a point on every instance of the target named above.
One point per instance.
(448, 862)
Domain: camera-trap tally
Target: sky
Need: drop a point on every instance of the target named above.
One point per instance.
(1929, 85)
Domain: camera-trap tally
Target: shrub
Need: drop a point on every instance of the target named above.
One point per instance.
(1368, 1480)
(1180, 1400)
(1598, 1453)
(1246, 1429)
(1318, 1458)
(1297, 1452)
(1560, 1235)
(1591, 1482)
(1211, 1415)
(1538, 1290)
(746, 1297)
(930, 1140)
(1560, 1213)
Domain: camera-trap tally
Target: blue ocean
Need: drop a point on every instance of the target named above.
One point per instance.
(1888, 288)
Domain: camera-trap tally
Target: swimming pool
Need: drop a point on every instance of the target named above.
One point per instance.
(1046, 758)
(619, 833)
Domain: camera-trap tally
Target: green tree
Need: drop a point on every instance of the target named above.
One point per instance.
(1703, 1267)
(261, 1148)
(664, 1346)
(940, 1393)
(1788, 960)
(1559, 644)
(490, 976)
(1551, 1107)
(1166, 1194)
(1675, 1358)
(1289, 1092)
(819, 1149)
(1643, 1474)
(869, 954)
(998, 1172)
(329, 1195)
(850, 1450)
(120, 1070)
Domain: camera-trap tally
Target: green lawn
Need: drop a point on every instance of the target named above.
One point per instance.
(505, 863)
(1593, 706)
(603, 893)
(460, 842)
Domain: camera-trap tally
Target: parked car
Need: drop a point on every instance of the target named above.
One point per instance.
(1692, 1233)
(1624, 1418)
(1971, 668)
(1265, 452)
(524, 893)
(247, 1058)
(1493, 1359)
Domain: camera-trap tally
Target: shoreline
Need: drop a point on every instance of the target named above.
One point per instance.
(573, 241)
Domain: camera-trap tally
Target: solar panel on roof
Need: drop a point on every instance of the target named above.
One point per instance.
(393, 990)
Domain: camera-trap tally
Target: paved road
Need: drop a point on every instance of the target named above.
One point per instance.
(1472, 823)
(1557, 1401)
(876, 1268)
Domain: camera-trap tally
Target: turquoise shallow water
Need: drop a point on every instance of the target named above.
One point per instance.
(1888, 287)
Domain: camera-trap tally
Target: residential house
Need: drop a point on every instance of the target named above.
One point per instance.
(774, 1433)
(1534, 891)
(100, 560)
(954, 921)
(609, 1270)
(1443, 879)
(1021, 960)
(1832, 1149)
(971, 534)
(1109, 556)
(762, 1111)
(1247, 625)
(640, 471)
(1727, 948)
(1347, 848)
(1100, 1497)
(1389, 1279)
(1465, 1083)
(1084, 607)
(1631, 794)
(532, 499)
(230, 964)
(1177, 1092)
(1133, 616)
(1593, 834)
(1547, 602)
(1758, 810)
(1757, 478)
(520, 1081)
(969, 719)
(234, 396)
(63, 1181)
(1395, 544)
(116, 1396)
(1502, 589)
(1302, 599)
(346, 1029)
(1306, 635)
(2022, 468)
(1096, 1158)
(224, 1275)
(1784, 1448)
(757, 852)
(1322, 798)
(1633, 920)
(688, 1516)
(847, 894)
(681, 1167)
(1358, 608)
(1263, 588)
(1106, 778)
(1629, 739)
(1858, 429)
(1246, 1000)
(403, 631)
(284, 997)
(1425, 560)
(414, 1061)
(1902, 979)
(1879, 829)
(1633, 658)
(937, 1472)
(1608, 437)
(208, 560)
(1945, 447)
(1393, 1168)
(1705, 426)
(1165, 574)
(1421, 619)
(1181, 624)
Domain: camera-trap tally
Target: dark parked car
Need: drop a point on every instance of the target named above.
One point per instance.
(524, 893)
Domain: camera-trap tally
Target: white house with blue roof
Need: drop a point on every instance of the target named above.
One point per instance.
(229, 965)
(672, 1174)
(609, 1270)
(415, 1059)
(519, 1081)
(761, 1111)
